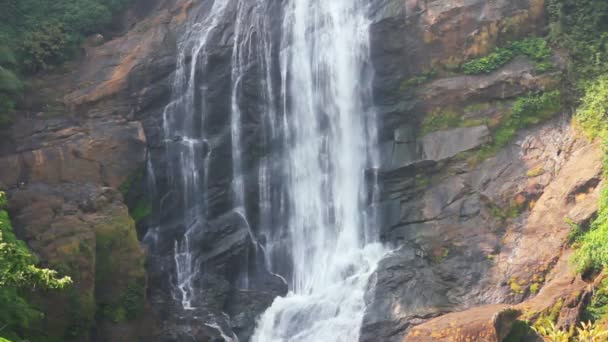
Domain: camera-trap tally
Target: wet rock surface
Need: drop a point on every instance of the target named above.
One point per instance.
(458, 245)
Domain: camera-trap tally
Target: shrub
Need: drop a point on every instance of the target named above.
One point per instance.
(537, 49)
(43, 47)
(592, 115)
(526, 111)
(17, 272)
(592, 252)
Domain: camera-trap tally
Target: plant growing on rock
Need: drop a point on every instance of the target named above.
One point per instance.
(537, 49)
(589, 332)
(18, 272)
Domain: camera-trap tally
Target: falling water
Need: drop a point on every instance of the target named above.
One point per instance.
(330, 142)
(184, 122)
(317, 133)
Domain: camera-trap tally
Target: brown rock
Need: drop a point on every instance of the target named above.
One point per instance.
(483, 324)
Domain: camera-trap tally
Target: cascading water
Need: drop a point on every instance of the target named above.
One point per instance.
(330, 141)
(184, 121)
(316, 135)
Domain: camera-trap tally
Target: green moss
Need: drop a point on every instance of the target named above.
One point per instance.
(537, 49)
(422, 181)
(511, 211)
(526, 111)
(129, 306)
(520, 331)
(80, 314)
(142, 209)
(440, 119)
(418, 80)
(535, 172)
(120, 276)
(534, 288)
(132, 180)
(515, 286)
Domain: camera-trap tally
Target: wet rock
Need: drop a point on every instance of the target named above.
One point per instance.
(446, 144)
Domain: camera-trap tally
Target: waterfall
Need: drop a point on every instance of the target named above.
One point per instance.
(312, 174)
(330, 141)
(187, 146)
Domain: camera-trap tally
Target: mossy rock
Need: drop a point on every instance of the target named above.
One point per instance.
(120, 274)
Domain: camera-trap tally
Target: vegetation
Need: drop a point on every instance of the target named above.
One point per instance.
(537, 49)
(586, 332)
(40, 34)
(597, 309)
(418, 80)
(592, 252)
(582, 28)
(18, 273)
(527, 111)
(441, 119)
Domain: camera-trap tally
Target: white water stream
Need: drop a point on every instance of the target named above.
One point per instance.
(320, 112)
(331, 141)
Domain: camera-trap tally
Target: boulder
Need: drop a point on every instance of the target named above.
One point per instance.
(483, 324)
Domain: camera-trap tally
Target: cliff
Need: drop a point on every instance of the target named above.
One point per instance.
(476, 201)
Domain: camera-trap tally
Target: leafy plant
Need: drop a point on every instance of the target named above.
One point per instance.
(592, 114)
(589, 332)
(526, 111)
(40, 34)
(537, 49)
(440, 119)
(18, 271)
(551, 333)
(592, 252)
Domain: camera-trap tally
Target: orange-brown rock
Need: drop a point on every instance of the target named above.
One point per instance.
(482, 324)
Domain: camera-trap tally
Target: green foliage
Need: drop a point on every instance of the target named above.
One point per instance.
(141, 210)
(535, 172)
(592, 114)
(534, 288)
(129, 306)
(581, 26)
(43, 46)
(511, 211)
(597, 309)
(537, 49)
(592, 252)
(575, 231)
(489, 63)
(17, 267)
(132, 180)
(40, 34)
(18, 272)
(527, 111)
(551, 333)
(589, 332)
(520, 331)
(418, 80)
(440, 120)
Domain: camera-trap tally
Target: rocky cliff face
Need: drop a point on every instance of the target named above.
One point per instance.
(486, 237)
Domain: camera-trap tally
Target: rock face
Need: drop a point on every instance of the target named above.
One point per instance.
(470, 237)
